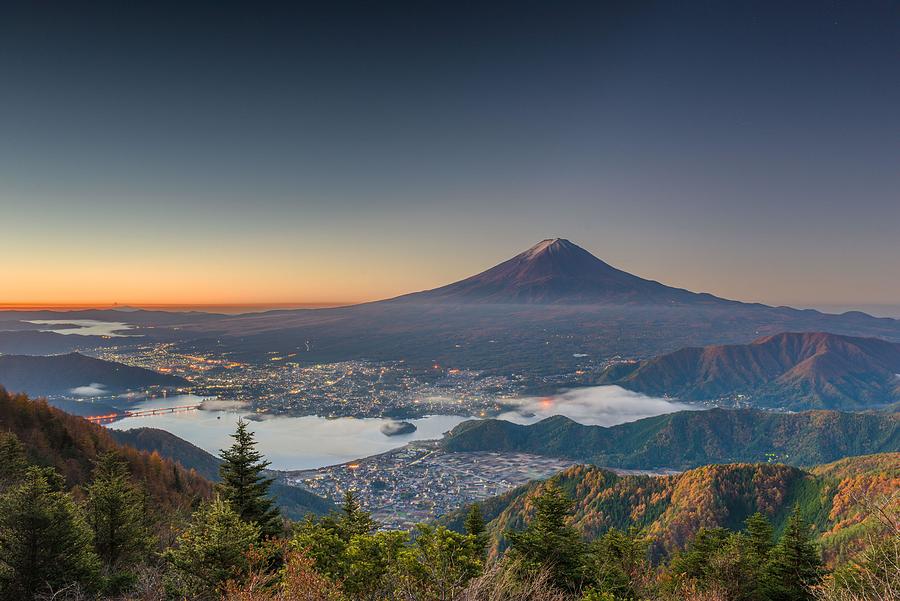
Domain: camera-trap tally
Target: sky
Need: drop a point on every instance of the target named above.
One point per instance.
(338, 152)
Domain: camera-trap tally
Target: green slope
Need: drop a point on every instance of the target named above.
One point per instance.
(688, 439)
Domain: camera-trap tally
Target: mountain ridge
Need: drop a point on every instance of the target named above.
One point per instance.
(42, 375)
(688, 439)
(671, 509)
(795, 370)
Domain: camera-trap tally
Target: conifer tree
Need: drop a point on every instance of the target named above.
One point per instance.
(794, 564)
(117, 515)
(213, 550)
(355, 520)
(474, 526)
(244, 486)
(12, 460)
(45, 543)
(548, 542)
(759, 535)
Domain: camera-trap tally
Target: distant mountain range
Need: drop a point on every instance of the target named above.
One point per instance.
(548, 310)
(790, 370)
(66, 374)
(688, 439)
(533, 313)
(671, 509)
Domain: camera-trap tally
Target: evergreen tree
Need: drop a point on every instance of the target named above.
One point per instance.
(369, 561)
(45, 543)
(243, 484)
(212, 550)
(474, 526)
(694, 562)
(355, 520)
(760, 535)
(438, 564)
(794, 564)
(618, 563)
(548, 542)
(12, 460)
(117, 515)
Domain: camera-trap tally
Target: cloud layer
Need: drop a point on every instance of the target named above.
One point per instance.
(92, 389)
(595, 405)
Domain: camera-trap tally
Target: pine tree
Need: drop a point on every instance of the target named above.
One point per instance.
(212, 550)
(12, 460)
(618, 563)
(116, 514)
(548, 542)
(243, 484)
(474, 526)
(45, 543)
(759, 535)
(794, 564)
(355, 520)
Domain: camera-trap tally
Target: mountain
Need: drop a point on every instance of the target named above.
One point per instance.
(539, 313)
(791, 370)
(671, 509)
(688, 439)
(72, 445)
(60, 374)
(166, 444)
(557, 271)
(294, 502)
(175, 473)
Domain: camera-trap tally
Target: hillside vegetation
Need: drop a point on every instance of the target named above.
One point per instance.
(689, 439)
(73, 445)
(671, 510)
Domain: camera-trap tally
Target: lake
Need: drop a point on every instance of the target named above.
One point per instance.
(293, 443)
(288, 442)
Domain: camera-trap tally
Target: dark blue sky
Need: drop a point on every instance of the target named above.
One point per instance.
(347, 151)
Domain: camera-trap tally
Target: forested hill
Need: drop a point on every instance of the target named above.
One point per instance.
(671, 509)
(72, 445)
(689, 439)
(61, 374)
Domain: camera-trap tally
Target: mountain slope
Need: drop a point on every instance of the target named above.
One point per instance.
(60, 374)
(670, 509)
(531, 314)
(793, 370)
(72, 444)
(557, 271)
(688, 439)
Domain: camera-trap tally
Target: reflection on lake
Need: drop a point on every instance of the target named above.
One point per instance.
(84, 327)
(288, 442)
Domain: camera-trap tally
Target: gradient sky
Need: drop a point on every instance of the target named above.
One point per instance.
(350, 151)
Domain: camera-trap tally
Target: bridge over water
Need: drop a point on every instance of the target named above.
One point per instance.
(111, 417)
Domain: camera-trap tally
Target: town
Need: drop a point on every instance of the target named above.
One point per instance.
(419, 482)
(283, 385)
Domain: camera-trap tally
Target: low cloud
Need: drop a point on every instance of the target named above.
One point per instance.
(92, 389)
(595, 405)
(217, 405)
